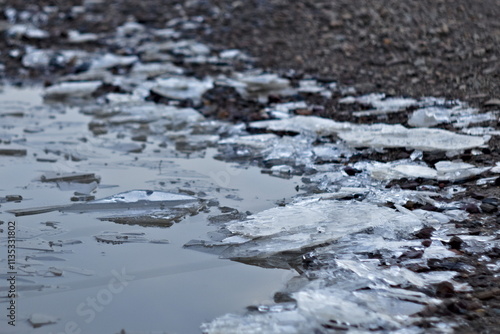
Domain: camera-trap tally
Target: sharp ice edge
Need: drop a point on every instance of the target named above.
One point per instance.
(360, 299)
(72, 89)
(443, 171)
(350, 291)
(375, 135)
(135, 196)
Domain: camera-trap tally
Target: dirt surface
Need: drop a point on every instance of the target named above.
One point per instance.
(405, 48)
(411, 48)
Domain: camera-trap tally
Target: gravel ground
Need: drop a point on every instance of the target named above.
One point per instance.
(411, 48)
(406, 48)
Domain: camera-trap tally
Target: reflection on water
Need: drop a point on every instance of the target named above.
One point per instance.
(104, 287)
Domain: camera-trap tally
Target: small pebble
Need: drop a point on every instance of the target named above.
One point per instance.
(445, 290)
(455, 242)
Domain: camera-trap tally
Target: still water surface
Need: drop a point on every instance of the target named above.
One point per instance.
(165, 287)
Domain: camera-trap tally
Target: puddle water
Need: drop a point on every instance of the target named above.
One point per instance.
(149, 285)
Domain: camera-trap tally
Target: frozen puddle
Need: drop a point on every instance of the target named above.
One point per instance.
(89, 214)
(134, 211)
(130, 192)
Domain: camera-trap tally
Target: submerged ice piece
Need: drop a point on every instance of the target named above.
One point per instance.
(134, 200)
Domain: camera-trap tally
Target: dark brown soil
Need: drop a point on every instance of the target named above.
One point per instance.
(446, 48)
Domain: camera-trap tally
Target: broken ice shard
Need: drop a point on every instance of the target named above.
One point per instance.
(77, 37)
(357, 297)
(72, 89)
(394, 136)
(70, 177)
(308, 223)
(444, 171)
(151, 70)
(375, 135)
(182, 88)
(380, 103)
(110, 60)
(28, 31)
(428, 117)
(136, 201)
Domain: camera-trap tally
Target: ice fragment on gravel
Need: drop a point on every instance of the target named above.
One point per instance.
(312, 222)
(460, 116)
(290, 322)
(394, 136)
(428, 117)
(303, 124)
(390, 172)
(28, 31)
(358, 297)
(72, 89)
(76, 37)
(182, 88)
(263, 83)
(454, 171)
(110, 60)
(444, 171)
(154, 69)
(380, 103)
(374, 135)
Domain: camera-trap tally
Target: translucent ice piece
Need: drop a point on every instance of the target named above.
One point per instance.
(303, 124)
(380, 103)
(374, 135)
(390, 172)
(182, 88)
(247, 146)
(428, 117)
(76, 37)
(454, 171)
(111, 60)
(393, 136)
(135, 200)
(264, 82)
(311, 222)
(37, 58)
(154, 69)
(444, 171)
(290, 322)
(26, 30)
(72, 89)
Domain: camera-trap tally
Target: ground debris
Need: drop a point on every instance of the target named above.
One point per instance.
(38, 320)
